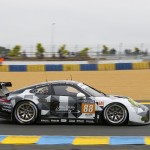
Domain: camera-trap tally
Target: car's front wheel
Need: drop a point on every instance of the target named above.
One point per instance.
(115, 114)
(25, 112)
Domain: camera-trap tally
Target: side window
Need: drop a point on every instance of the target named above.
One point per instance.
(41, 90)
(65, 90)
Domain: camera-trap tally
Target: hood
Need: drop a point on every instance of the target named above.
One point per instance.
(117, 96)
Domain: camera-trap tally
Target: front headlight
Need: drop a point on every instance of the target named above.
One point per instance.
(133, 102)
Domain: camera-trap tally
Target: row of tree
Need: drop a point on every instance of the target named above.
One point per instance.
(40, 50)
(63, 52)
(112, 51)
(16, 51)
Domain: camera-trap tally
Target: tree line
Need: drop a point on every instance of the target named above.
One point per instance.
(40, 51)
(63, 52)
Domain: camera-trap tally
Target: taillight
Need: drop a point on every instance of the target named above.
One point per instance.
(4, 100)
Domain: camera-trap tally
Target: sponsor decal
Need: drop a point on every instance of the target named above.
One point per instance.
(80, 121)
(90, 121)
(88, 108)
(88, 115)
(45, 120)
(63, 120)
(60, 110)
(101, 103)
(53, 120)
(88, 101)
(65, 108)
(72, 121)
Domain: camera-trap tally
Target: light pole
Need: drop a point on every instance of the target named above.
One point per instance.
(53, 36)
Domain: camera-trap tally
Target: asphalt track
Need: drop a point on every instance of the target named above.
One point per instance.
(8, 128)
(70, 147)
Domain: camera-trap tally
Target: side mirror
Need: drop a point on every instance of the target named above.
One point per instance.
(81, 96)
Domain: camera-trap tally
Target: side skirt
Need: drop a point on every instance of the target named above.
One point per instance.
(97, 120)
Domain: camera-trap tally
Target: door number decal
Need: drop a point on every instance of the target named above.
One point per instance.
(88, 108)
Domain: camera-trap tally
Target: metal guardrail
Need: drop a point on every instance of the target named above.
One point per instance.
(89, 55)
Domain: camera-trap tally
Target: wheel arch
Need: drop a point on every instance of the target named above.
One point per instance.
(127, 120)
(26, 100)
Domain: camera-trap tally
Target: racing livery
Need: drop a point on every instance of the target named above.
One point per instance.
(68, 101)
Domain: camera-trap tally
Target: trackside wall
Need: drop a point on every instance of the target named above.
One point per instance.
(75, 67)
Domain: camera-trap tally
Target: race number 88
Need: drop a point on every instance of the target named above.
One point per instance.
(88, 108)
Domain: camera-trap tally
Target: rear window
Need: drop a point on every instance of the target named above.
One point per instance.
(22, 90)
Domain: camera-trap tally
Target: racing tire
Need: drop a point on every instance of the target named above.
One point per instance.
(115, 114)
(25, 112)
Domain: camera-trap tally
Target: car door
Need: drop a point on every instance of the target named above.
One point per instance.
(64, 101)
(86, 107)
(43, 95)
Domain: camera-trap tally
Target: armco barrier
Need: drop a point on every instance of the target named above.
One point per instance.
(141, 65)
(88, 67)
(17, 68)
(53, 68)
(104, 67)
(71, 67)
(4, 68)
(123, 66)
(74, 67)
(75, 140)
(34, 68)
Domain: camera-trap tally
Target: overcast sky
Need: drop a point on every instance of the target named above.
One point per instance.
(76, 21)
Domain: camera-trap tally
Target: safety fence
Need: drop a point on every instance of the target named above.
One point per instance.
(75, 140)
(74, 67)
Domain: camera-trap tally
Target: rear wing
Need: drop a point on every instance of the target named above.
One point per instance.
(3, 88)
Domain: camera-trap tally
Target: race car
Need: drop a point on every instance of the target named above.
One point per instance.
(68, 101)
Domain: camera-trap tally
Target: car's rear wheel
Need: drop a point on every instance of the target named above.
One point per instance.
(115, 114)
(25, 112)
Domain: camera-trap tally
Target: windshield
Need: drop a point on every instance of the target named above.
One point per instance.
(92, 91)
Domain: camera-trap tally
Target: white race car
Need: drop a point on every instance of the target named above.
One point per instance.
(68, 101)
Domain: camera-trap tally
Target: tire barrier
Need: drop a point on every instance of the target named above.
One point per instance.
(74, 140)
(75, 67)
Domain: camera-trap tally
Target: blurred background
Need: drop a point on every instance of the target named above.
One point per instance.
(64, 52)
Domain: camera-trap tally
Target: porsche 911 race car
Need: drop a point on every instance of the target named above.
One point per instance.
(68, 101)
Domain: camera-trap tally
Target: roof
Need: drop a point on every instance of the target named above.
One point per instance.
(51, 82)
(64, 81)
